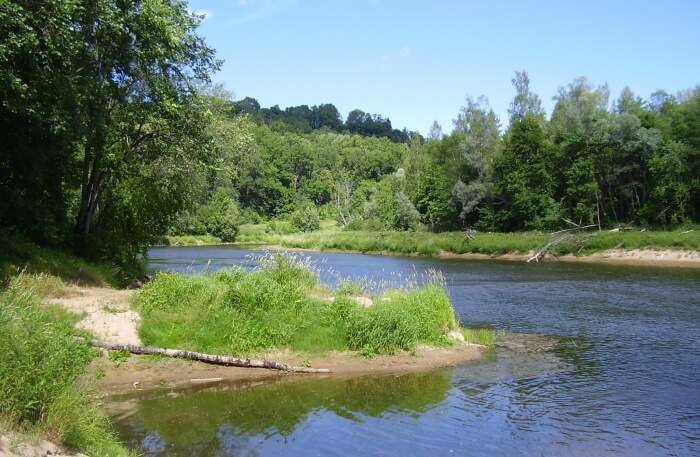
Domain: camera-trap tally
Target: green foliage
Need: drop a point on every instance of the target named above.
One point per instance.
(483, 336)
(675, 196)
(432, 195)
(40, 362)
(238, 312)
(221, 216)
(102, 130)
(400, 320)
(305, 219)
(524, 180)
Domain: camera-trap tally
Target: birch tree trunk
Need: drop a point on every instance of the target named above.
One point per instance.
(206, 358)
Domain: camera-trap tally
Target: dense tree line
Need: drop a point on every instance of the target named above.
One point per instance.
(590, 162)
(304, 119)
(111, 136)
(636, 162)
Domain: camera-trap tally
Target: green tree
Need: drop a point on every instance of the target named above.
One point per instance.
(138, 97)
(523, 178)
(525, 102)
(477, 128)
(221, 216)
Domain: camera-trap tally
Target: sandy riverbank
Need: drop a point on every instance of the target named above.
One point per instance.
(633, 257)
(108, 316)
(143, 372)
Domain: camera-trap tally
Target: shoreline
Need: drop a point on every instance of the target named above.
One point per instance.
(667, 258)
(143, 373)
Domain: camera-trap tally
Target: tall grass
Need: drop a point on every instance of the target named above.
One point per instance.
(432, 244)
(40, 362)
(239, 312)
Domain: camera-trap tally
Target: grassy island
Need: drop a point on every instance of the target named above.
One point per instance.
(282, 304)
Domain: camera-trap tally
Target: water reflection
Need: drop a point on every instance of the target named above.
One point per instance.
(224, 420)
(622, 382)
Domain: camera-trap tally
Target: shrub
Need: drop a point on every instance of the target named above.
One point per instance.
(406, 216)
(305, 219)
(221, 217)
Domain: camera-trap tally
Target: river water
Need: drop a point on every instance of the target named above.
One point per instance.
(623, 378)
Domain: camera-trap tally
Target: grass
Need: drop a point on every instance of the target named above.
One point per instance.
(190, 240)
(278, 306)
(491, 243)
(18, 255)
(331, 237)
(43, 284)
(40, 362)
(483, 336)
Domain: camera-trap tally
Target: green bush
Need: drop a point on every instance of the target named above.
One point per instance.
(221, 217)
(306, 219)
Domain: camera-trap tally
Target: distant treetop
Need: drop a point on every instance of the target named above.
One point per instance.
(304, 119)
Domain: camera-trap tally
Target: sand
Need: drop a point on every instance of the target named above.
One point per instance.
(144, 373)
(107, 314)
(632, 257)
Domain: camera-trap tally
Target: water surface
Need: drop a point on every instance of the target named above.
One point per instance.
(623, 380)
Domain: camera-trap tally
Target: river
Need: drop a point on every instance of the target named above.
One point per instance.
(623, 380)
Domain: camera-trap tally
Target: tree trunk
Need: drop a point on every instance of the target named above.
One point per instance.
(206, 358)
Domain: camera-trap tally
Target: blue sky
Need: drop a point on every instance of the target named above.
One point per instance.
(415, 61)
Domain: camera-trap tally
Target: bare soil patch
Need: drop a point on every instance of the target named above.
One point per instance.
(107, 314)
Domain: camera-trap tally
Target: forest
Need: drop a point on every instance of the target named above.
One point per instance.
(114, 135)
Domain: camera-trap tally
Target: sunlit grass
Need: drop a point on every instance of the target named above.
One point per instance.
(483, 336)
(278, 306)
(330, 237)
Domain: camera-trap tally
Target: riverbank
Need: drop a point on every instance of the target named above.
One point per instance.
(680, 248)
(146, 372)
(107, 315)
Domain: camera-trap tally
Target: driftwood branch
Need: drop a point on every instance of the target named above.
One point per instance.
(206, 358)
(570, 234)
(540, 255)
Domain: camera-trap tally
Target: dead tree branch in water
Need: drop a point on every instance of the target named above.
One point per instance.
(571, 234)
(206, 358)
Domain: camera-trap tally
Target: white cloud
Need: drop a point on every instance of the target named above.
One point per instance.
(405, 52)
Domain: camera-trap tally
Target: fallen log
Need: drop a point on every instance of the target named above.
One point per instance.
(206, 358)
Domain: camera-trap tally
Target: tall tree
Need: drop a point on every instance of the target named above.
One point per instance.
(525, 102)
(140, 65)
(523, 179)
(479, 129)
(435, 132)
